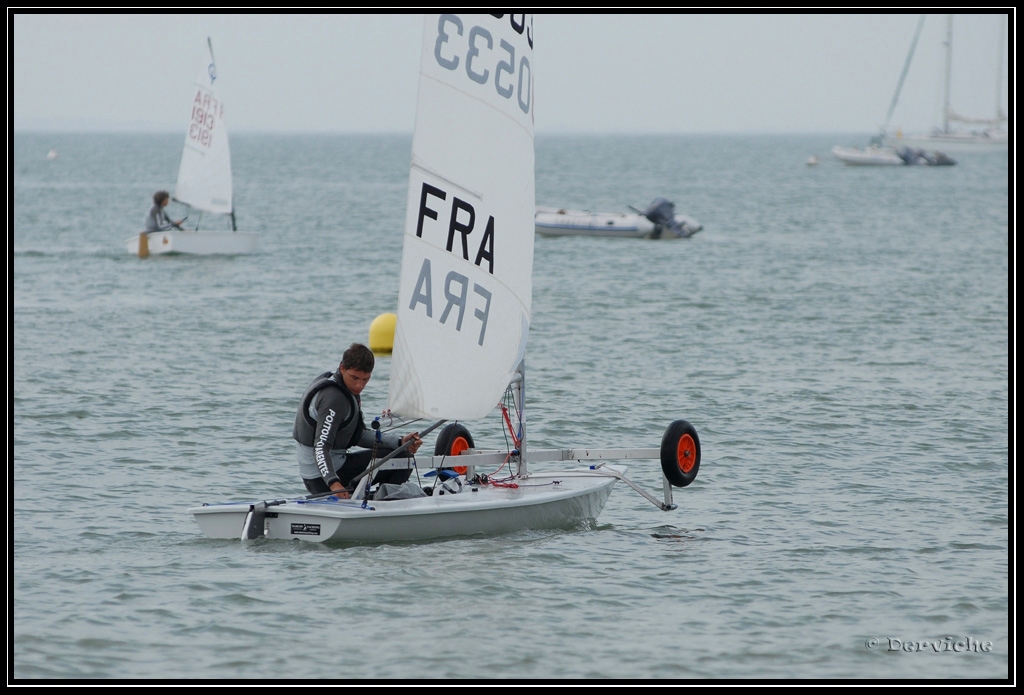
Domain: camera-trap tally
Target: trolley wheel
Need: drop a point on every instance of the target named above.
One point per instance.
(680, 453)
(453, 440)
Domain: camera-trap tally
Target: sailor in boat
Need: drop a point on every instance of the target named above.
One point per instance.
(329, 423)
(157, 219)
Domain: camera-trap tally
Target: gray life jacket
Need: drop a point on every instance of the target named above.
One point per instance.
(349, 431)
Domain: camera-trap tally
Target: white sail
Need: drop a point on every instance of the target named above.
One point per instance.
(204, 177)
(465, 287)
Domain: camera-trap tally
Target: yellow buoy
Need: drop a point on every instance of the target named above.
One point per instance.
(382, 334)
(143, 245)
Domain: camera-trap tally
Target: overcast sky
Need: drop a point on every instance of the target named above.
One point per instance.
(676, 73)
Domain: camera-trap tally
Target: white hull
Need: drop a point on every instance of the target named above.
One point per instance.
(196, 243)
(551, 222)
(957, 143)
(564, 499)
(867, 156)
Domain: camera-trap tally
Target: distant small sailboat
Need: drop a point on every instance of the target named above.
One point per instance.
(52, 154)
(204, 180)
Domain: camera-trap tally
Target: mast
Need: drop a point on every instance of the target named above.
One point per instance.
(518, 386)
(999, 72)
(949, 69)
(903, 75)
(213, 62)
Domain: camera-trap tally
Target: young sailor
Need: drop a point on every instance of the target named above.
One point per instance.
(329, 423)
(157, 219)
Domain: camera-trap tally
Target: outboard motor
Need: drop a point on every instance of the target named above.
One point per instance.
(910, 155)
(662, 213)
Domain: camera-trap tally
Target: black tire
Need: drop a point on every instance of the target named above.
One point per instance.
(453, 440)
(680, 453)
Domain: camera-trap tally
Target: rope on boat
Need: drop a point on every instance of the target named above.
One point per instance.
(516, 440)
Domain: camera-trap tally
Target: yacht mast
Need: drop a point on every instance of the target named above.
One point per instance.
(949, 69)
(999, 80)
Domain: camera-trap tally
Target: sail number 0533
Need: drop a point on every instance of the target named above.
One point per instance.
(482, 61)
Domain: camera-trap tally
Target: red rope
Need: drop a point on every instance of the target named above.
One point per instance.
(508, 423)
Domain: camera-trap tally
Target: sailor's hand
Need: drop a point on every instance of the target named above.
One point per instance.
(416, 442)
(341, 493)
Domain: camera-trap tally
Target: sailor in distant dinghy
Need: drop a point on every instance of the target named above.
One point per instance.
(157, 219)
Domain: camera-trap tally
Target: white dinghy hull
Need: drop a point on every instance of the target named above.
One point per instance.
(867, 156)
(556, 222)
(561, 500)
(198, 243)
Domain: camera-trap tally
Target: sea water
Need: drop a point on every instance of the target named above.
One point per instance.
(838, 336)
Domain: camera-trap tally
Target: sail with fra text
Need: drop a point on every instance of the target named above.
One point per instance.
(465, 285)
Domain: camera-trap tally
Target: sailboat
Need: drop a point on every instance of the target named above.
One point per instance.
(463, 318)
(204, 181)
(993, 137)
(878, 154)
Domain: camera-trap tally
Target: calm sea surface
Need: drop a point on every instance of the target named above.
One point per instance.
(838, 336)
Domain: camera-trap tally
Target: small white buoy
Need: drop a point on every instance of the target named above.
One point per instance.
(812, 160)
(382, 334)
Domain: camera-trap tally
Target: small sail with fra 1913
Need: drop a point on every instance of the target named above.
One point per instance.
(204, 176)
